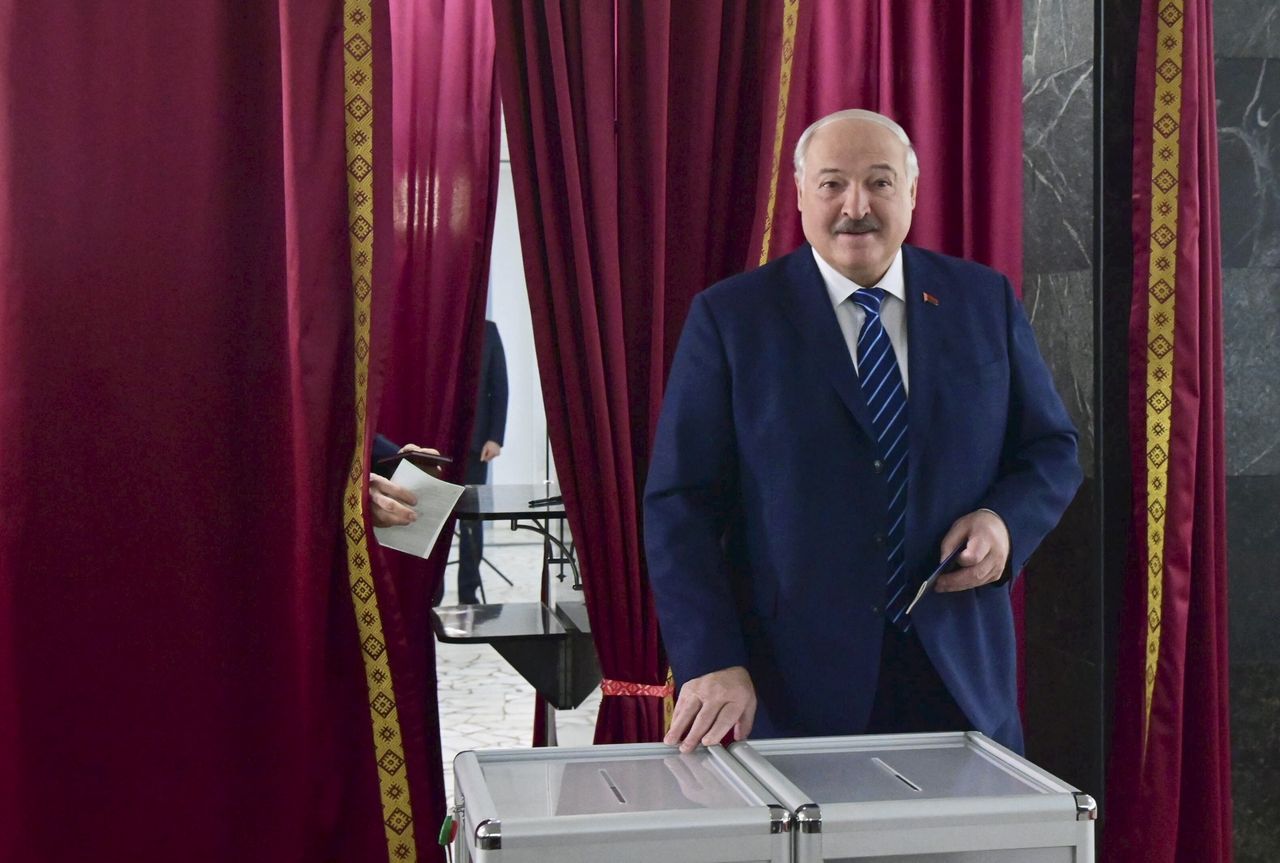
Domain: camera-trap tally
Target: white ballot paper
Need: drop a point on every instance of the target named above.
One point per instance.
(436, 499)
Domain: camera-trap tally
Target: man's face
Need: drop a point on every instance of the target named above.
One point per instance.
(854, 197)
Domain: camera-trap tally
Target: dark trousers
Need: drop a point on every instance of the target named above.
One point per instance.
(910, 696)
(471, 537)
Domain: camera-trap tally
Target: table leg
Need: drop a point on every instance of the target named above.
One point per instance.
(549, 718)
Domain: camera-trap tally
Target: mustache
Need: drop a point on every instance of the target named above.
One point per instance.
(856, 226)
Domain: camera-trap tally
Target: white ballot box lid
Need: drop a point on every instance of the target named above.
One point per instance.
(586, 783)
(902, 767)
(624, 802)
(957, 793)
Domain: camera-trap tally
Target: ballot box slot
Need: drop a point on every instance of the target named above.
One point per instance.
(892, 772)
(613, 786)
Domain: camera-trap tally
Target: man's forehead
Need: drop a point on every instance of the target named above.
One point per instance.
(863, 139)
(874, 166)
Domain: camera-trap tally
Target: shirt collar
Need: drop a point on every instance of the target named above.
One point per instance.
(840, 288)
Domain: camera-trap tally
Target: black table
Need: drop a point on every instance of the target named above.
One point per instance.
(497, 502)
(513, 502)
(549, 645)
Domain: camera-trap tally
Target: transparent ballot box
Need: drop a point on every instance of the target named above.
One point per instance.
(920, 798)
(641, 802)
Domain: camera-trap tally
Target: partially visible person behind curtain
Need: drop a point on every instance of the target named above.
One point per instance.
(488, 430)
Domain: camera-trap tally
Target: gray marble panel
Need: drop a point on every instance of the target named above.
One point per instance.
(1251, 336)
(1062, 700)
(1064, 644)
(1248, 90)
(1253, 552)
(1255, 760)
(1057, 165)
(1060, 308)
(1253, 595)
(1056, 35)
(1245, 28)
(1248, 161)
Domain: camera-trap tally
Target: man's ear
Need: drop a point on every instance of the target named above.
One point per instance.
(915, 184)
(800, 191)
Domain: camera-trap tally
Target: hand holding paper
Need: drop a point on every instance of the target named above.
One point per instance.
(436, 500)
(389, 504)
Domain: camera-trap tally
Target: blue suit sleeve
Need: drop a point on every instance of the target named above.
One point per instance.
(1040, 470)
(383, 447)
(497, 388)
(689, 503)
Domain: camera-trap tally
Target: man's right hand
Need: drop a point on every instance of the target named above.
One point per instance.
(390, 504)
(710, 705)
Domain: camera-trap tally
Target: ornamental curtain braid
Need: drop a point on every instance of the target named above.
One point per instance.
(886, 397)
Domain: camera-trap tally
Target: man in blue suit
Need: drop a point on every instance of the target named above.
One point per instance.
(486, 444)
(836, 422)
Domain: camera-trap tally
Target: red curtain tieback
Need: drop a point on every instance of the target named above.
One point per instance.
(621, 687)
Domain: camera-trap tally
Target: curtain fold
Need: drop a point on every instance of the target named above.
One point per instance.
(623, 165)
(428, 328)
(1170, 772)
(180, 673)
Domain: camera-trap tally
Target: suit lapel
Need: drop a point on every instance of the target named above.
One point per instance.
(807, 305)
(926, 325)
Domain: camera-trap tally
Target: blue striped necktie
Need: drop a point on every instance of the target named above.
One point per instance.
(886, 397)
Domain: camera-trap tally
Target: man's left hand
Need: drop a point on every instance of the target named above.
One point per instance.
(490, 451)
(986, 541)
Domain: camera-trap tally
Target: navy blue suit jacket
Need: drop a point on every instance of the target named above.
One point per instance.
(491, 399)
(762, 507)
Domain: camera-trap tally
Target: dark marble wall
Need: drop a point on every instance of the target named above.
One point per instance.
(1064, 617)
(1253, 549)
(1057, 106)
(1247, 65)
(1249, 158)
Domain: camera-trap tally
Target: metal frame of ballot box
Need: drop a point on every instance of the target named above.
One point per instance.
(631, 803)
(955, 797)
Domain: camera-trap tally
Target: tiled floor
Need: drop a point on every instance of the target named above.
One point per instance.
(484, 703)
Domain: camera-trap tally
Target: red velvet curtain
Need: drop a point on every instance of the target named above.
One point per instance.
(621, 169)
(635, 138)
(1170, 780)
(180, 674)
(445, 143)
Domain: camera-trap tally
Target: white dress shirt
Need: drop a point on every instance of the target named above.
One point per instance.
(893, 311)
